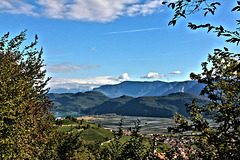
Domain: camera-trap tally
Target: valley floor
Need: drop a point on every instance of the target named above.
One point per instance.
(148, 124)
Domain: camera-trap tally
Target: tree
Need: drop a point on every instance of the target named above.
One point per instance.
(137, 147)
(25, 118)
(184, 8)
(68, 145)
(222, 88)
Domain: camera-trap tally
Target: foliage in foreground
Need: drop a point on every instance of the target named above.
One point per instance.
(26, 124)
(222, 88)
(27, 128)
(25, 120)
(119, 147)
(133, 147)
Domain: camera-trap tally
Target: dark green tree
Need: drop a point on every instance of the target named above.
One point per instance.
(136, 147)
(68, 145)
(25, 119)
(221, 141)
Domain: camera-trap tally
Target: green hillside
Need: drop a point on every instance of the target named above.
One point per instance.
(88, 131)
(79, 102)
(151, 106)
(96, 134)
(112, 105)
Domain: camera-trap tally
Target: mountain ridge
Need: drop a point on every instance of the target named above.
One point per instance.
(93, 102)
(146, 88)
(151, 106)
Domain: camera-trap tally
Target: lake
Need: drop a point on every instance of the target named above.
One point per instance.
(64, 114)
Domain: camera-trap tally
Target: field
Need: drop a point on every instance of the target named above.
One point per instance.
(96, 134)
(148, 124)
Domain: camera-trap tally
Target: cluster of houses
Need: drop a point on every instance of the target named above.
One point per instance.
(181, 144)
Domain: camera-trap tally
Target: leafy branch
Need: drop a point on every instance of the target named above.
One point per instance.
(183, 8)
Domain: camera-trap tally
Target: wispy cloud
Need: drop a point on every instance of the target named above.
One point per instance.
(65, 68)
(82, 10)
(55, 50)
(132, 31)
(175, 72)
(17, 7)
(153, 75)
(149, 7)
(138, 59)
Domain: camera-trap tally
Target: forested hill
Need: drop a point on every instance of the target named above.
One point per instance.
(97, 103)
(155, 88)
(77, 102)
(150, 106)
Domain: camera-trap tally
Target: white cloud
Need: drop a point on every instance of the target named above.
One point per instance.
(121, 78)
(74, 83)
(149, 7)
(5, 4)
(64, 68)
(85, 83)
(175, 72)
(83, 10)
(153, 75)
(17, 7)
(54, 8)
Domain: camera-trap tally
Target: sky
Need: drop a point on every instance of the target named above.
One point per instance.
(89, 43)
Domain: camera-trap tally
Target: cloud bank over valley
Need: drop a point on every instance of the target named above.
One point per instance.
(84, 84)
(73, 85)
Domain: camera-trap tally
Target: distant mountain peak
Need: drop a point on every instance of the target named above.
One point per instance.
(149, 88)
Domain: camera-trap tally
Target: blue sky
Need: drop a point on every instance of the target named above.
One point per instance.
(88, 43)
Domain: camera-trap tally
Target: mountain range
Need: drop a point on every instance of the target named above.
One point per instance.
(155, 88)
(149, 106)
(97, 103)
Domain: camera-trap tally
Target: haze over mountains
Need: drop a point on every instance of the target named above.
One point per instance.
(155, 88)
(139, 88)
